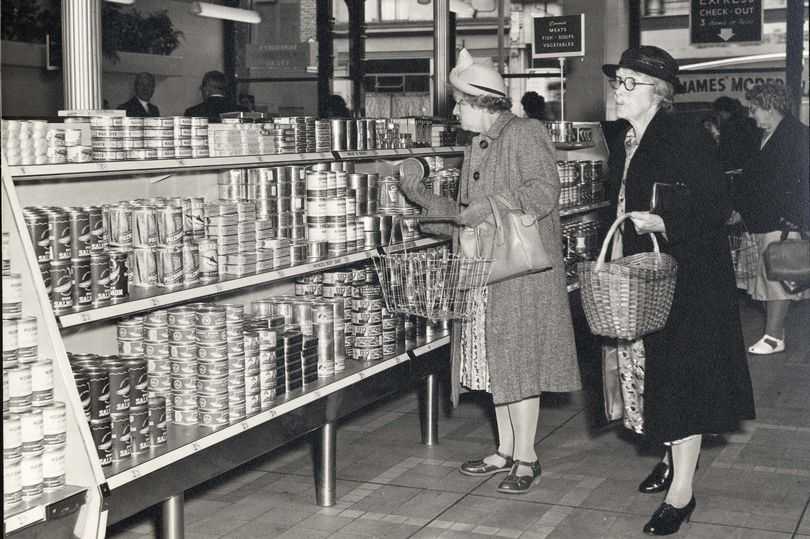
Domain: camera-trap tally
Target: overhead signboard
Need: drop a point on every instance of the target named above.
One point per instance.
(725, 21)
(559, 37)
(708, 86)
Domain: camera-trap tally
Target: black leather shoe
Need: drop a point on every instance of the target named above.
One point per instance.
(479, 468)
(668, 519)
(659, 479)
(519, 484)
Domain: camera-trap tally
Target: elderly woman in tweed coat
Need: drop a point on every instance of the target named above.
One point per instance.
(526, 333)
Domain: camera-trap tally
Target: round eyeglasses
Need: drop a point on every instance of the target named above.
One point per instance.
(629, 83)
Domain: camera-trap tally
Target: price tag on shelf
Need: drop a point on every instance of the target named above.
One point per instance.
(155, 302)
(402, 151)
(195, 447)
(85, 317)
(135, 473)
(272, 414)
(26, 518)
(316, 395)
(219, 288)
(422, 151)
(245, 425)
(372, 153)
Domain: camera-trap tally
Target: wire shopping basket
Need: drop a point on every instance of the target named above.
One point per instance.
(744, 253)
(438, 285)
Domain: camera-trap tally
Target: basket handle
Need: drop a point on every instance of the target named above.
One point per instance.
(600, 261)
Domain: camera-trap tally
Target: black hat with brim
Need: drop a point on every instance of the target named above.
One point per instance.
(649, 60)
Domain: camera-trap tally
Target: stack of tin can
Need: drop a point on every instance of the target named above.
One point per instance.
(183, 364)
(32, 142)
(231, 138)
(251, 373)
(337, 286)
(268, 358)
(235, 328)
(156, 352)
(221, 219)
(367, 305)
(34, 437)
(124, 420)
(302, 129)
(323, 135)
(212, 366)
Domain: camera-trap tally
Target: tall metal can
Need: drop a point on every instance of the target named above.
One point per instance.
(144, 226)
(82, 281)
(59, 226)
(170, 265)
(119, 225)
(96, 222)
(191, 261)
(100, 278)
(169, 224)
(118, 275)
(61, 286)
(80, 236)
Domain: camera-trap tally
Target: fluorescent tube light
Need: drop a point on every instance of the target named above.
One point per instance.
(125, 2)
(215, 11)
(734, 61)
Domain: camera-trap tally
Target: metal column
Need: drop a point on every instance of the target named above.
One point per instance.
(357, 53)
(793, 53)
(441, 66)
(325, 476)
(430, 422)
(172, 517)
(81, 54)
(324, 23)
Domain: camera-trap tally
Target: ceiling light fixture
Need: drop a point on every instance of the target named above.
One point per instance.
(125, 2)
(215, 11)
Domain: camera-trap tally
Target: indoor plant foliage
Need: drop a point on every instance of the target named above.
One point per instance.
(123, 29)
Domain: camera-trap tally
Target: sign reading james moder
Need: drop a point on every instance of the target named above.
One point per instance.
(557, 37)
(725, 21)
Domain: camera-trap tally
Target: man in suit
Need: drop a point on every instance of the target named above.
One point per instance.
(214, 100)
(139, 106)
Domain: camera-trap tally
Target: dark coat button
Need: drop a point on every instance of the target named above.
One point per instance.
(484, 144)
(476, 175)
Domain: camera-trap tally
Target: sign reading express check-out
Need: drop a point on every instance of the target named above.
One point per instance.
(725, 21)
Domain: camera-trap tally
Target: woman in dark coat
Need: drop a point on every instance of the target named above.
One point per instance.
(774, 188)
(694, 370)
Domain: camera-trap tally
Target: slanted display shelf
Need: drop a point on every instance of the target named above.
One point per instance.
(49, 506)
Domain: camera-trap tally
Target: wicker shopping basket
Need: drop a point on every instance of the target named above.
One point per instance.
(629, 297)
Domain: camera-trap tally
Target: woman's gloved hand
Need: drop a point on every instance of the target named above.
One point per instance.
(411, 173)
(475, 214)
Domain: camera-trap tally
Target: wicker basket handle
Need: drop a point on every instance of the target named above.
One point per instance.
(600, 261)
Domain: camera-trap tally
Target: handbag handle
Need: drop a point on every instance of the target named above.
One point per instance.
(600, 261)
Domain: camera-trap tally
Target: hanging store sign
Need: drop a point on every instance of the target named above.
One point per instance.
(559, 37)
(706, 87)
(725, 21)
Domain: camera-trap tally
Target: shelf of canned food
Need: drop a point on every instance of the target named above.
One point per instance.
(51, 505)
(144, 299)
(183, 441)
(81, 171)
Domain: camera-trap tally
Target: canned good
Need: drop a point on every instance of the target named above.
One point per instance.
(82, 281)
(40, 232)
(80, 236)
(138, 382)
(118, 279)
(54, 423)
(99, 392)
(41, 382)
(209, 267)
(119, 225)
(60, 235)
(12, 437)
(53, 467)
(102, 438)
(119, 386)
(144, 226)
(61, 286)
(144, 271)
(213, 419)
(31, 425)
(83, 388)
(139, 424)
(185, 417)
(169, 265)
(31, 475)
(157, 421)
(121, 435)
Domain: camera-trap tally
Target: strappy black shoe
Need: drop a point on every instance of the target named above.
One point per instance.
(667, 519)
(659, 479)
(479, 468)
(519, 484)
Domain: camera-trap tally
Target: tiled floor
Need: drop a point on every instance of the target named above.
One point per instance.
(754, 484)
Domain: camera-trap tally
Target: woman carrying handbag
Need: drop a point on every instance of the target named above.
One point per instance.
(694, 371)
(522, 341)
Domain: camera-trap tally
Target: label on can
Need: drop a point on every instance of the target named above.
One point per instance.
(100, 275)
(102, 437)
(139, 421)
(61, 286)
(121, 435)
(118, 281)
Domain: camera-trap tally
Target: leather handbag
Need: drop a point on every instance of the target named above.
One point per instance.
(788, 261)
(511, 238)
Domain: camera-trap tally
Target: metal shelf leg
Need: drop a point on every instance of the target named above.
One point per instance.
(430, 421)
(325, 477)
(172, 517)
